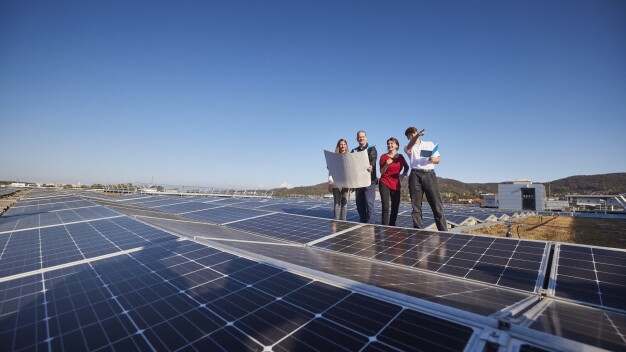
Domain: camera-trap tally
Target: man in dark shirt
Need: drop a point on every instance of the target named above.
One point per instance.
(365, 196)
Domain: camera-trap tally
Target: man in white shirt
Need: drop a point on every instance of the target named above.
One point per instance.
(423, 179)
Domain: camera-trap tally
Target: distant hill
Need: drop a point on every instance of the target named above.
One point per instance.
(590, 184)
(614, 183)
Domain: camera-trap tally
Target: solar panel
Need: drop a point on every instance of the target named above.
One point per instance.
(22, 315)
(166, 294)
(29, 250)
(93, 306)
(292, 228)
(34, 209)
(591, 275)
(503, 262)
(224, 215)
(452, 292)
(187, 207)
(5, 191)
(39, 201)
(20, 222)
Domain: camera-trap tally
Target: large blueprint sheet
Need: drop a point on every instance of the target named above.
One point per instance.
(348, 170)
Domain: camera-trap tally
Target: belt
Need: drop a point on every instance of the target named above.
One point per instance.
(422, 170)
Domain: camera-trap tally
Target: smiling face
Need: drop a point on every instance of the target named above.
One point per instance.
(392, 145)
(361, 137)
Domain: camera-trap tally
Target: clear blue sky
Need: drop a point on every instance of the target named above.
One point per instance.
(250, 93)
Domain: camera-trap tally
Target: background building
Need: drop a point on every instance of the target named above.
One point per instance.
(521, 195)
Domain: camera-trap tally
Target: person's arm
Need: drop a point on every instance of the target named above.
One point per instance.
(412, 142)
(384, 164)
(372, 158)
(405, 165)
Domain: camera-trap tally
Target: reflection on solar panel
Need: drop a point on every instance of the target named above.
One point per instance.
(573, 322)
(502, 262)
(591, 275)
(292, 228)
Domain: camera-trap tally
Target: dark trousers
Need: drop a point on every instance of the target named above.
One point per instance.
(341, 201)
(365, 197)
(387, 194)
(425, 183)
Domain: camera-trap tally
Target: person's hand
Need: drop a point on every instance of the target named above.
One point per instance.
(369, 168)
(430, 160)
(389, 161)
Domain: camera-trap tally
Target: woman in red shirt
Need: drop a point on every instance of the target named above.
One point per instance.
(391, 164)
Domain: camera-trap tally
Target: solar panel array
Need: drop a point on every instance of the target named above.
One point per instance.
(268, 279)
(456, 215)
(7, 191)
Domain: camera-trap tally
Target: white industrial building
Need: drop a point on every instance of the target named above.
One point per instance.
(521, 195)
(597, 202)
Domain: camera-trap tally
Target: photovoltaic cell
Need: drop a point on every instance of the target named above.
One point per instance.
(292, 228)
(591, 275)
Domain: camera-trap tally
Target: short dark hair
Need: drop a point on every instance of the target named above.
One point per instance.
(410, 130)
(393, 139)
